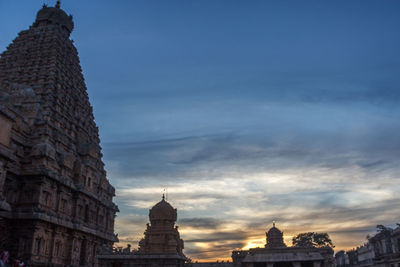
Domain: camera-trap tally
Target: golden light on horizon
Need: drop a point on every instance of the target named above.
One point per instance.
(254, 243)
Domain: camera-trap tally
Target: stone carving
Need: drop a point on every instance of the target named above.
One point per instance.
(2, 179)
(161, 245)
(161, 236)
(275, 238)
(51, 172)
(5, 130)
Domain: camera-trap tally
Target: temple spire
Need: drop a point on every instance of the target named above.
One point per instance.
(58, 5)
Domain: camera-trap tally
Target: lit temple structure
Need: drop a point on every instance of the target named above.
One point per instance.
(161, 245)
(277, 254)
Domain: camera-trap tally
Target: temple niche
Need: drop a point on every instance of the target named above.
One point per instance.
(277, 254)
(160, 246)
(56, 205)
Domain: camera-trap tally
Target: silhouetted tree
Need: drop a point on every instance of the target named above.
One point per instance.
(303, 240)
(311, 239)
(322, 240)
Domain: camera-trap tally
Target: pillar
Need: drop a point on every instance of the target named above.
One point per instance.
(52, 240)
(2, 179)
(316, 264)
(296, 264)
(3, 203)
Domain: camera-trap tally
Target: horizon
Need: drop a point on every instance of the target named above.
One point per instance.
(247, 113)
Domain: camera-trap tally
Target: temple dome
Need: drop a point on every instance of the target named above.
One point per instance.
(54, 15)
(161, 236)
(163, 211)
(274, 238)
(274, 232)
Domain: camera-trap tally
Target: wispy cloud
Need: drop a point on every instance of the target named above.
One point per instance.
(229, 186)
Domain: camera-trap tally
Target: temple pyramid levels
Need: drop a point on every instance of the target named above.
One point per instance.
(56, 203)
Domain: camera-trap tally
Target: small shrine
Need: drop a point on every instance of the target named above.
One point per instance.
(277, 254)
(160, 246)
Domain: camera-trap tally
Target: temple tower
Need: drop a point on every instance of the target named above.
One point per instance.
(161, 245)
(275, 238)
(55, 200)
(162, 236)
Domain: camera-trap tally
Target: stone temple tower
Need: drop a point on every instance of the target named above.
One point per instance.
(56, 204)
(161, 245)
(162, 236)
(275, 238)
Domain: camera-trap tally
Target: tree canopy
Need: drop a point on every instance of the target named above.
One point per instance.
(312, 239)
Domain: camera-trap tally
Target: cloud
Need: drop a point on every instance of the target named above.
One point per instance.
(315, 149)
(228, 187)
(189, 157)
(241, 213)
(198, 223)
(217, 236)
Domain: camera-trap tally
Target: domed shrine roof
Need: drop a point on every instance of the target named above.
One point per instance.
(274, 238)
(54, 15)
(274, 232)
(163, 211)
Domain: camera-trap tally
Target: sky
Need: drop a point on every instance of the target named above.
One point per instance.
(247, 112)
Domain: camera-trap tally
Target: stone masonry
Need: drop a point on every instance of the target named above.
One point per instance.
(56, 205)
(161, 245)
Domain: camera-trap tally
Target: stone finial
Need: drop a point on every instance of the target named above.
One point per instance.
(54, 15)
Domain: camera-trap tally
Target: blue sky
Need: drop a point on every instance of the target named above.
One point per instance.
(247, 111)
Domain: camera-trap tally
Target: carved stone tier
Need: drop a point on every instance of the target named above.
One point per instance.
(55, 199)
